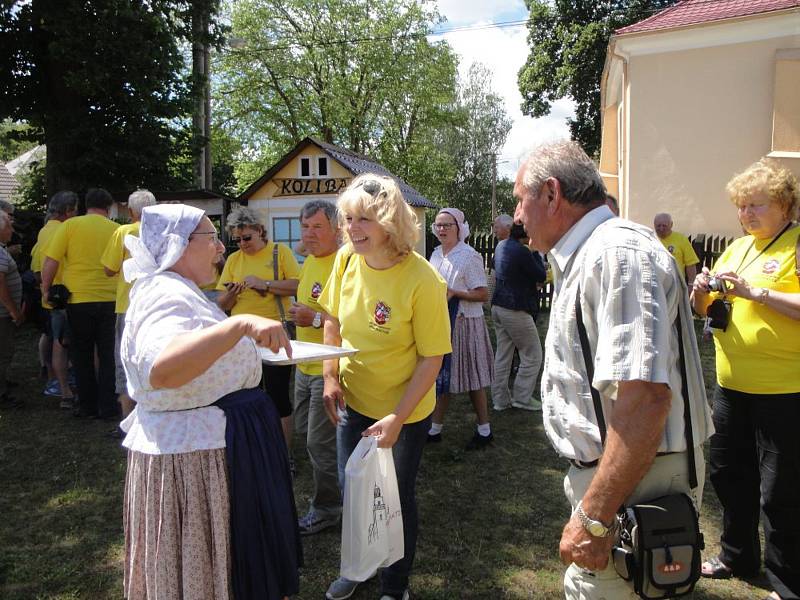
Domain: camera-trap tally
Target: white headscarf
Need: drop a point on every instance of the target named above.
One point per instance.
(163, 237)
(463, 226)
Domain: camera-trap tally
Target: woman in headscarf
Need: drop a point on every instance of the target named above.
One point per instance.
(209, 511)
(472, 363)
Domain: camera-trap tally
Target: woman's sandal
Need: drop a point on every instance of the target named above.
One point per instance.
(714, 568)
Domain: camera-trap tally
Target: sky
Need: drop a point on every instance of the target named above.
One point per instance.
(504, 51)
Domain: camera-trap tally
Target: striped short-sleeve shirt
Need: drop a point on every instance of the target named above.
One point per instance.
(631, 292)
(13, 281)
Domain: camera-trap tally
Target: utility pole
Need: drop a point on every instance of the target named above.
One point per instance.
(201, 117)
(494, 187)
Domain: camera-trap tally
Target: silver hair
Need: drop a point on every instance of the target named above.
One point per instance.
(314, 206)
(61, 203)
(243, 216)
(4, 218)
(567, 162)
(138, 200)
(6, 207)
(505, 220)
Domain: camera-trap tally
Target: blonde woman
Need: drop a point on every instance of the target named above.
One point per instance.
(386, 300)
(753, 299)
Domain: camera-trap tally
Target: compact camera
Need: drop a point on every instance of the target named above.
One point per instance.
(715, 284)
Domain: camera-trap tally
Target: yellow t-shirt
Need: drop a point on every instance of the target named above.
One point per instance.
(681, 249)
(759, 352)
(38, 253)
(239, 265)
(393, 317)
(313, 277)
(78, 244)
(113, 257)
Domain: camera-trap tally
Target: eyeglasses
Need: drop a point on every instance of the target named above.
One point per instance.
(214, 239)
(443, 225)
(244, 238)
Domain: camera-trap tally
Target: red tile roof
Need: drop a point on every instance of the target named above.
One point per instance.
(695, 12)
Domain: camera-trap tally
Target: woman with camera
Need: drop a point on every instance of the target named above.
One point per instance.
(259, 279)
(753, 301)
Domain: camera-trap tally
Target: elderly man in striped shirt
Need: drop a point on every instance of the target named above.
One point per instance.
(615, 278)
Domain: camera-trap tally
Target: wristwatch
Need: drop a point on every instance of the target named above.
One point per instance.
(317, 322)
(595, 528)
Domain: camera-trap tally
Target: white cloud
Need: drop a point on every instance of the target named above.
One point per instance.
(504, 51)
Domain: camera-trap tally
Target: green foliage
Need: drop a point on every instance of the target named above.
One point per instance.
(15, 139)
(105, 82)
(479, 133)
(568, 42)
(32, 193)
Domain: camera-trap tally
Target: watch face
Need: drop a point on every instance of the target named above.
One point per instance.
(597, 529)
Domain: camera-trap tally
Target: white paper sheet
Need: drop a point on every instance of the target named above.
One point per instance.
(304, 352)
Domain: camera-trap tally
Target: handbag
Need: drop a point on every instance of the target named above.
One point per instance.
(58, 296)
(659, 546)
(288, 326)
(372, 521)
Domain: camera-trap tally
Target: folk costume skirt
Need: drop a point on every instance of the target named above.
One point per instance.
(215, 524)
(472, 366)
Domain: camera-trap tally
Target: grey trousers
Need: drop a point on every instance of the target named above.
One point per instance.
(8, 339)
(515, 329)
(311, 420)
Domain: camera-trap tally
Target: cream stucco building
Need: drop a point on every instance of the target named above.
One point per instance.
(693, 95)
(315, 170)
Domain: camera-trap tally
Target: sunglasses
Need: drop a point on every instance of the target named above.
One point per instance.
(244, 238)
(443, 225)
(372, 186)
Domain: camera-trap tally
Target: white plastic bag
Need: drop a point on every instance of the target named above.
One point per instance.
(372, 522)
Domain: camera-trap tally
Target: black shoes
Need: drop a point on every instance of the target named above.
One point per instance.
(480, 442)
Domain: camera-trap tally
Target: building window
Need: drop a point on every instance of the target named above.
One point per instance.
(322, 166)
(786, 108)
(286, 230)
(305, 166)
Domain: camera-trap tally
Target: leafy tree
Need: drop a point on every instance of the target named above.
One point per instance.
(568, 41)
(357, 73)
(105, 82)
(480, 133)
(15, 139)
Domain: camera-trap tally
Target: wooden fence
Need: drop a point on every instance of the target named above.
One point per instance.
(708, 248)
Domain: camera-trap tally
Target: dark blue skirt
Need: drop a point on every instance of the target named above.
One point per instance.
(265, 543)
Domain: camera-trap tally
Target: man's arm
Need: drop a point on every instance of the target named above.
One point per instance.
(691, 273)
(635, 430)
(49, 270)
(7, 301)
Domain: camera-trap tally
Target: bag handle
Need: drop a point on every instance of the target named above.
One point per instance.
(598, 406)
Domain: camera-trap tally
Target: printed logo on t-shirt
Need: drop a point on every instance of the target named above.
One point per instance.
(316, 290)
(382, 313)
(671, 249)
(770, 267)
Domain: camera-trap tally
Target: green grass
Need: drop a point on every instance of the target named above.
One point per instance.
(490, 522)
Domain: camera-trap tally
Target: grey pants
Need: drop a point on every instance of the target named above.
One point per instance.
(515, 329)
(311, 420)
(8, 338)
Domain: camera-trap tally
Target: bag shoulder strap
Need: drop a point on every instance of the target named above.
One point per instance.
(598, 406)
(275, 277)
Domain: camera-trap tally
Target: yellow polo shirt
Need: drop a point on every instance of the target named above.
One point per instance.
(113, 257)
(681, 249)
(759, 353)
(313, 276)
(393, 317)
(78, 245)
(38, 253)
(239, 265)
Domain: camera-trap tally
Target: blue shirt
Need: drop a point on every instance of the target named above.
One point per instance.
(517, 271)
